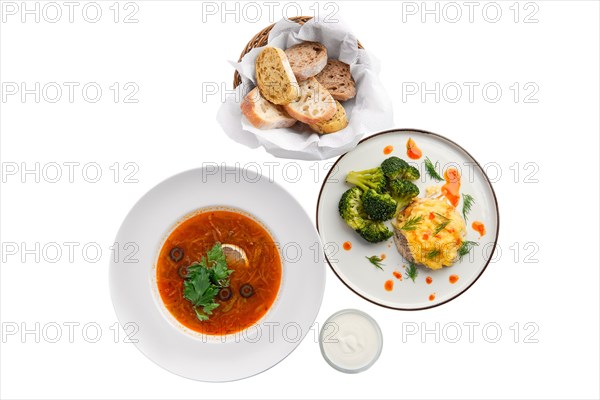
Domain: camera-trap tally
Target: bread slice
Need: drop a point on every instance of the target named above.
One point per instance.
(274, 76)
(337, 79)
(262, 114)
(307, 59)
(315, 104)
(336, 123)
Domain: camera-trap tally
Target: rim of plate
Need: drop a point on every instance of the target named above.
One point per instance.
(487, 180)
(269, 229)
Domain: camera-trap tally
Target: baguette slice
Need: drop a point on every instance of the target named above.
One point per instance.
(274, 76)
(314, 105)
(262, 114)
(336, 78)
(336, 123)
(307, 59)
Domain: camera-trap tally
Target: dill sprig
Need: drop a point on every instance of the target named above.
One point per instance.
(468, 202)
(430, 168)
(433, 254)
(411, 271)
(465, 248)
(411, 223)
(440, 227)
(442, 216)
(376, 261)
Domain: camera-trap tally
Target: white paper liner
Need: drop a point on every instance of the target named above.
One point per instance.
(368, 112)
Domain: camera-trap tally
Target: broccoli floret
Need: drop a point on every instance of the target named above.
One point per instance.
(368, 179)
(412, 173)
(375, 232)
(396, 168)
(351, 209)
(379, 207)
(403, 191)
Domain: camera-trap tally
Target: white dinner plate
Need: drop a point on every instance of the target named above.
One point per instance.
(212, 358)
(355, 270)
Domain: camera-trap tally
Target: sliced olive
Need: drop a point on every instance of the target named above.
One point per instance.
(183, 271)
(176, 254)
(246, 290)
(225, 294)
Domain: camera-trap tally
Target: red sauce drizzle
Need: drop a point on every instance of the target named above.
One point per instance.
(388, 285)
(428, 280)
(453, 279)
(452, 187)
(388, 149)
(347, 246)
(479, 227)
(412, 151)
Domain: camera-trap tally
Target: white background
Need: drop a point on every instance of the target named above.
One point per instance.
(169, 54)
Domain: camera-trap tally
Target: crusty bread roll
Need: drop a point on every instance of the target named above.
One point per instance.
(264, 115)
(307, 59)
(315, 104)
(274, 76)
(337, 80)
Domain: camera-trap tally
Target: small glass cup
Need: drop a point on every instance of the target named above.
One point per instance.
(352, 342)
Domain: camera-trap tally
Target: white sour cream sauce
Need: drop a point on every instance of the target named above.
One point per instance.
(351, 341)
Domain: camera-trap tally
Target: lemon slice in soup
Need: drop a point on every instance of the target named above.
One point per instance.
(235, 255)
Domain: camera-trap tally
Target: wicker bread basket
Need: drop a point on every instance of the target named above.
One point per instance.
(261, 39)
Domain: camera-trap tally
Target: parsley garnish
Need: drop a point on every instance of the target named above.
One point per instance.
(203, 281)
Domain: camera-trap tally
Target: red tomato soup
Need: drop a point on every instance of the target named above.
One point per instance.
(198, 234)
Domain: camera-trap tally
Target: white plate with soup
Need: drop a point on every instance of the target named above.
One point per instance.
(429, 249)
(193, 320)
